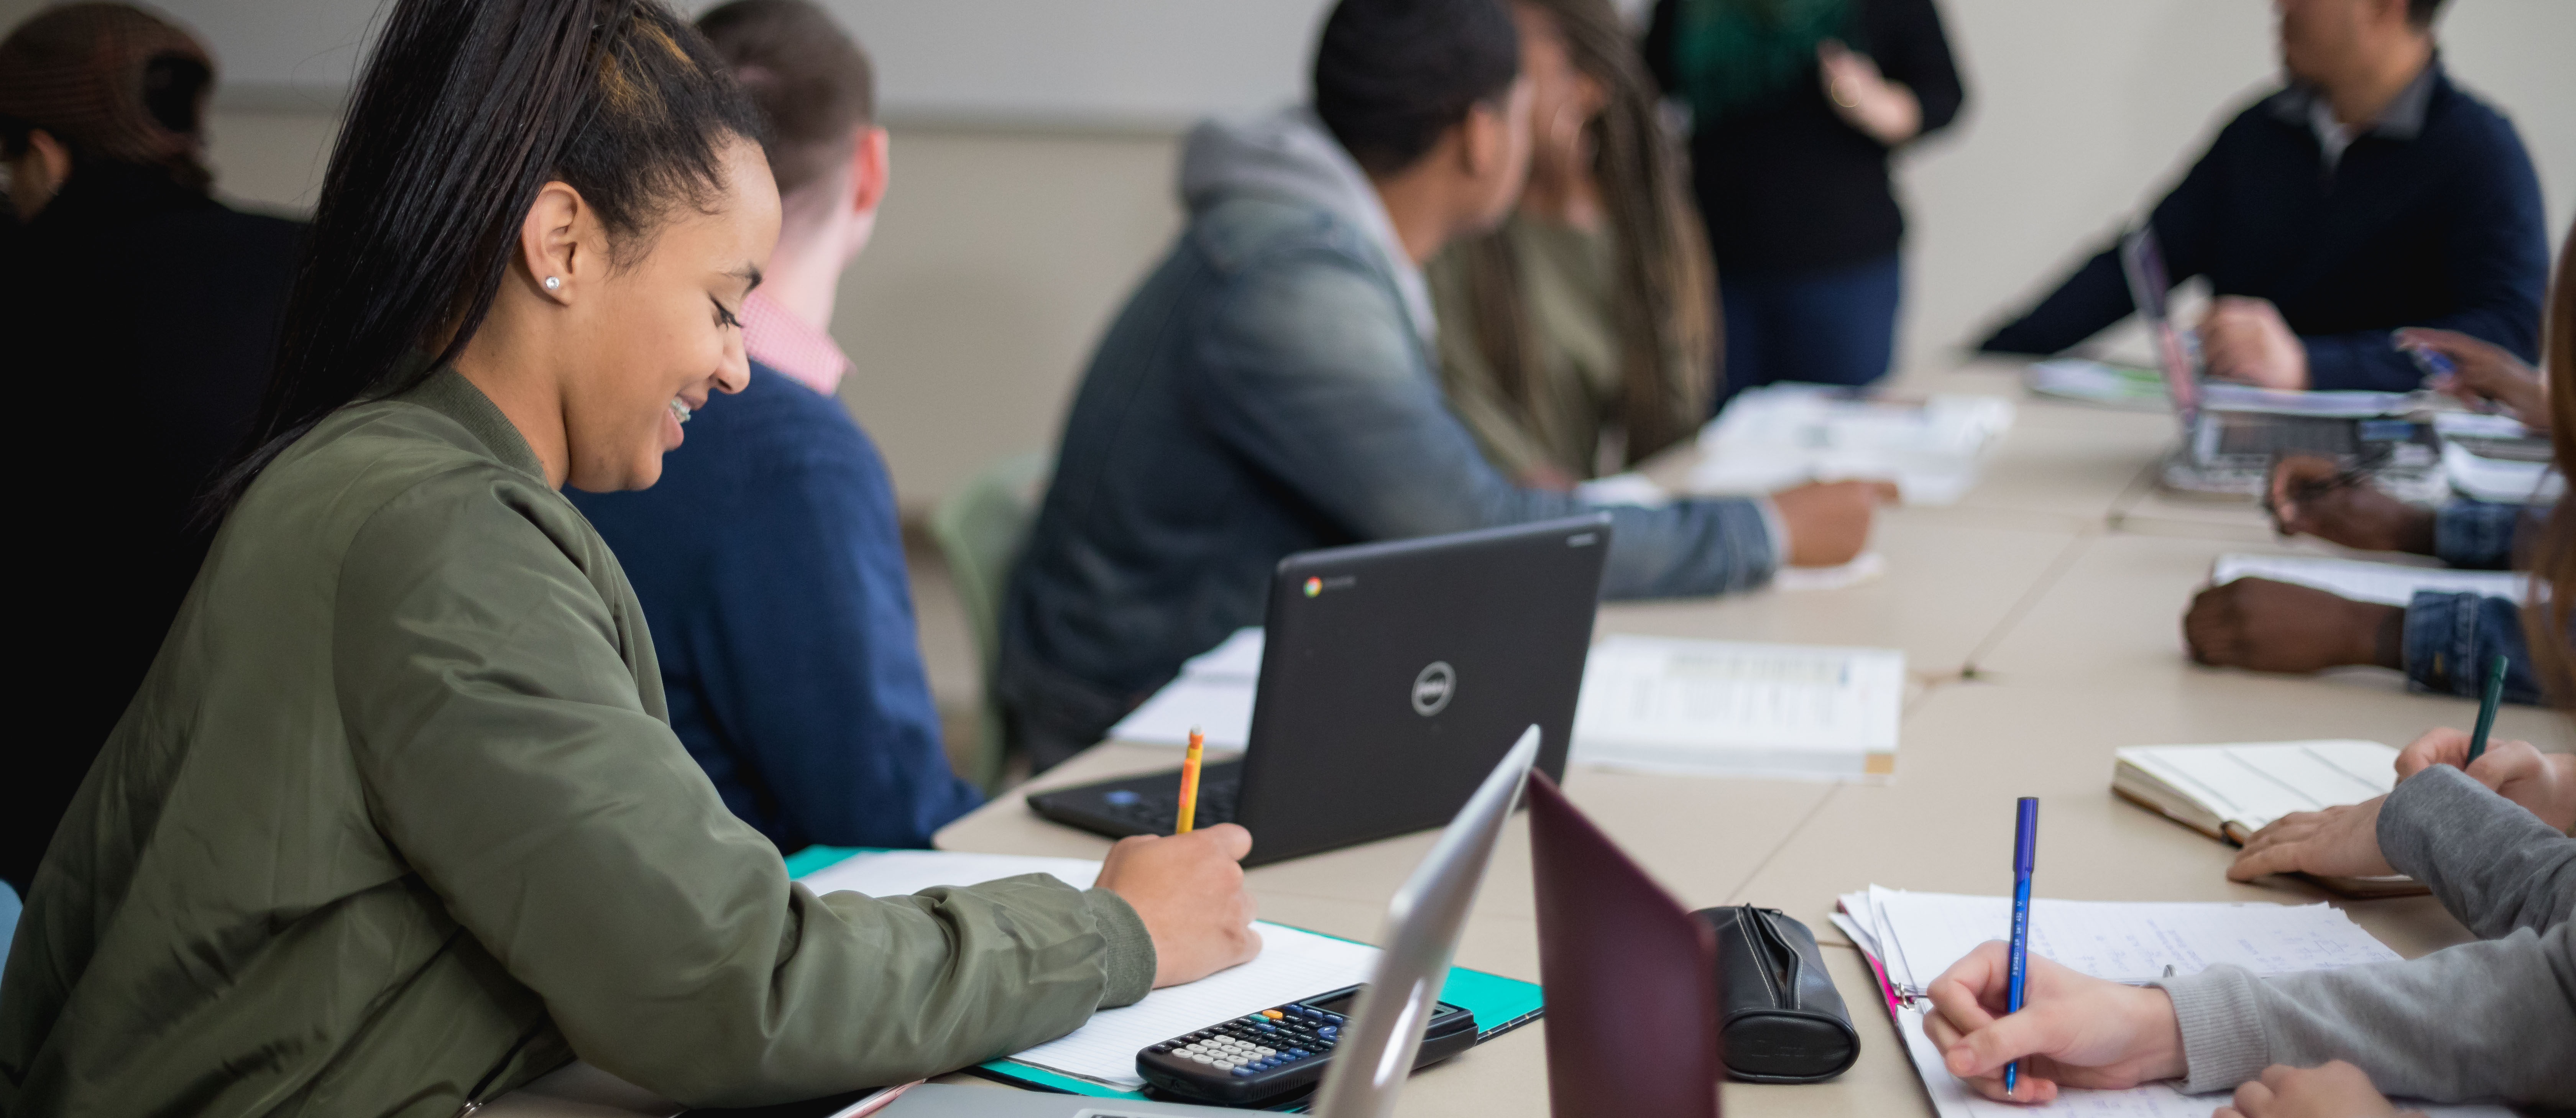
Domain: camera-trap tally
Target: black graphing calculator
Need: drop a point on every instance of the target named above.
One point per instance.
(1279, 1053)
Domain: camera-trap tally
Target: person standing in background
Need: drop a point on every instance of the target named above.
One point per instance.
(1580, 337)
(2368, 195)
(1795, 107)
(141, 318)
(768, 557)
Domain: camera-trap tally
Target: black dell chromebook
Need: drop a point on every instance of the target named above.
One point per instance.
(1393, 677)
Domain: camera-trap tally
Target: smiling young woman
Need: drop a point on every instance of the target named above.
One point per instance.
(396, 821)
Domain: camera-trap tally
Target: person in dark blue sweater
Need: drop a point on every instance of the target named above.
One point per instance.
(768, 558)
(2372, 194)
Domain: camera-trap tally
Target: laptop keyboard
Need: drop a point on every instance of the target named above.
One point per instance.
(1159, 812)
(2330, 439)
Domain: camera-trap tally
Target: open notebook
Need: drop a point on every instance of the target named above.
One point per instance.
(1100, 1057)
(2228, 792)
(1910, 938)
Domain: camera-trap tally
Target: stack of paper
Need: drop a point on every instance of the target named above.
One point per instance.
(1293, 963)
(1213, 692)
(2501, 480)
(2390, 584)
(2217, 396)
(1727, 709)
(1772, 438)
(2093, 382)
(2130, 386)
(1910, 938)
(2228, 792)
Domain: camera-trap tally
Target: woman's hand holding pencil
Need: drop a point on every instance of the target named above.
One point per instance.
(1188, 888)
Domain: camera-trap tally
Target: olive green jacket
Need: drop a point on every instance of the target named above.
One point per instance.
(395, 823)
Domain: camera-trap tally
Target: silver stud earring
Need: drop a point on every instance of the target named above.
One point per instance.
(553, 282)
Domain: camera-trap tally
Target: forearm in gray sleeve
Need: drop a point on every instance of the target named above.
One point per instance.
(2493, 1019)
(2494, 865)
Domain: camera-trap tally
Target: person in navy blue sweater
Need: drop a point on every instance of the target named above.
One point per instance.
(768, 558)
(2372, 194)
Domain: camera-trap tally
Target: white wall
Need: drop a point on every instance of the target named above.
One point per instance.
(1006, 245)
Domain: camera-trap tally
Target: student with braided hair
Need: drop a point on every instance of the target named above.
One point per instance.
(397, 820)
(1579, 337)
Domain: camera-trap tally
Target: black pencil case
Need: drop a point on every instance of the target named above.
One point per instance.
(1780, 1020)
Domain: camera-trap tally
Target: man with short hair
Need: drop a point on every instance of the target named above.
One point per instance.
(768, 558)
(2369, 195)
(1270, 388)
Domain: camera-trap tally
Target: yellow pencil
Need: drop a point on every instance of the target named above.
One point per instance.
(1190, 782)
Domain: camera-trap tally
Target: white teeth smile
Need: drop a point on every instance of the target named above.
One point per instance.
(679, 411)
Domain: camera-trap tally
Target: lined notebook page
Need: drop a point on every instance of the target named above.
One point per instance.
(2256, 784)
(896, 873)
(2122, 941)
(1293, 964)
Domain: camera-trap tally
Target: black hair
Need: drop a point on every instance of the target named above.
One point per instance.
(466, 110)
(813, 85)
(1392, 75)
(2422, 12)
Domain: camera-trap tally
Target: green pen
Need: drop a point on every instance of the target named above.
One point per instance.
(2487, 709)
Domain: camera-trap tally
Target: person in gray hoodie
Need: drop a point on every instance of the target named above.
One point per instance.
(1270, 388)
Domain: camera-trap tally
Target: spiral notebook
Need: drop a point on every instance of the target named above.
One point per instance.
(1910, 938)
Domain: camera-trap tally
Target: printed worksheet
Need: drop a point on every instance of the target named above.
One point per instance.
(1728, 708)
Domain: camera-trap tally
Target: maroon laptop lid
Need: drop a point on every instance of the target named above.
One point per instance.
(1630, 977)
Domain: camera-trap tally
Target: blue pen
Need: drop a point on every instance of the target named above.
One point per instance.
(2025, 850)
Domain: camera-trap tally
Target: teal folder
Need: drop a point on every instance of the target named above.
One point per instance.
(1500, 1004)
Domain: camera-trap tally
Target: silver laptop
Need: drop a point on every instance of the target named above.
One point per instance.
(2231, 453)
(1423, 922)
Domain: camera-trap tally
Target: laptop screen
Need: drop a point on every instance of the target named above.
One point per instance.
(2142, 259)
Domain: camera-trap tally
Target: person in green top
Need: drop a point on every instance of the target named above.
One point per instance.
(1579, 337)
(395, 822)
(1583, 330)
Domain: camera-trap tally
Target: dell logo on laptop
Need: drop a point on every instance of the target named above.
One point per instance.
(1431, 689)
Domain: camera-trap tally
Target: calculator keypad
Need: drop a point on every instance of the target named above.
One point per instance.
(1259, 1042)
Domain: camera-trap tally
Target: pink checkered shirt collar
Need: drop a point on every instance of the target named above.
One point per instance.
(777, 339)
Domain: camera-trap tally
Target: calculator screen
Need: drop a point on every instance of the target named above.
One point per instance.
(1342, 1005)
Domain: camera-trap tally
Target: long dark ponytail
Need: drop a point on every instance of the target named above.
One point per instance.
(466, 110)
